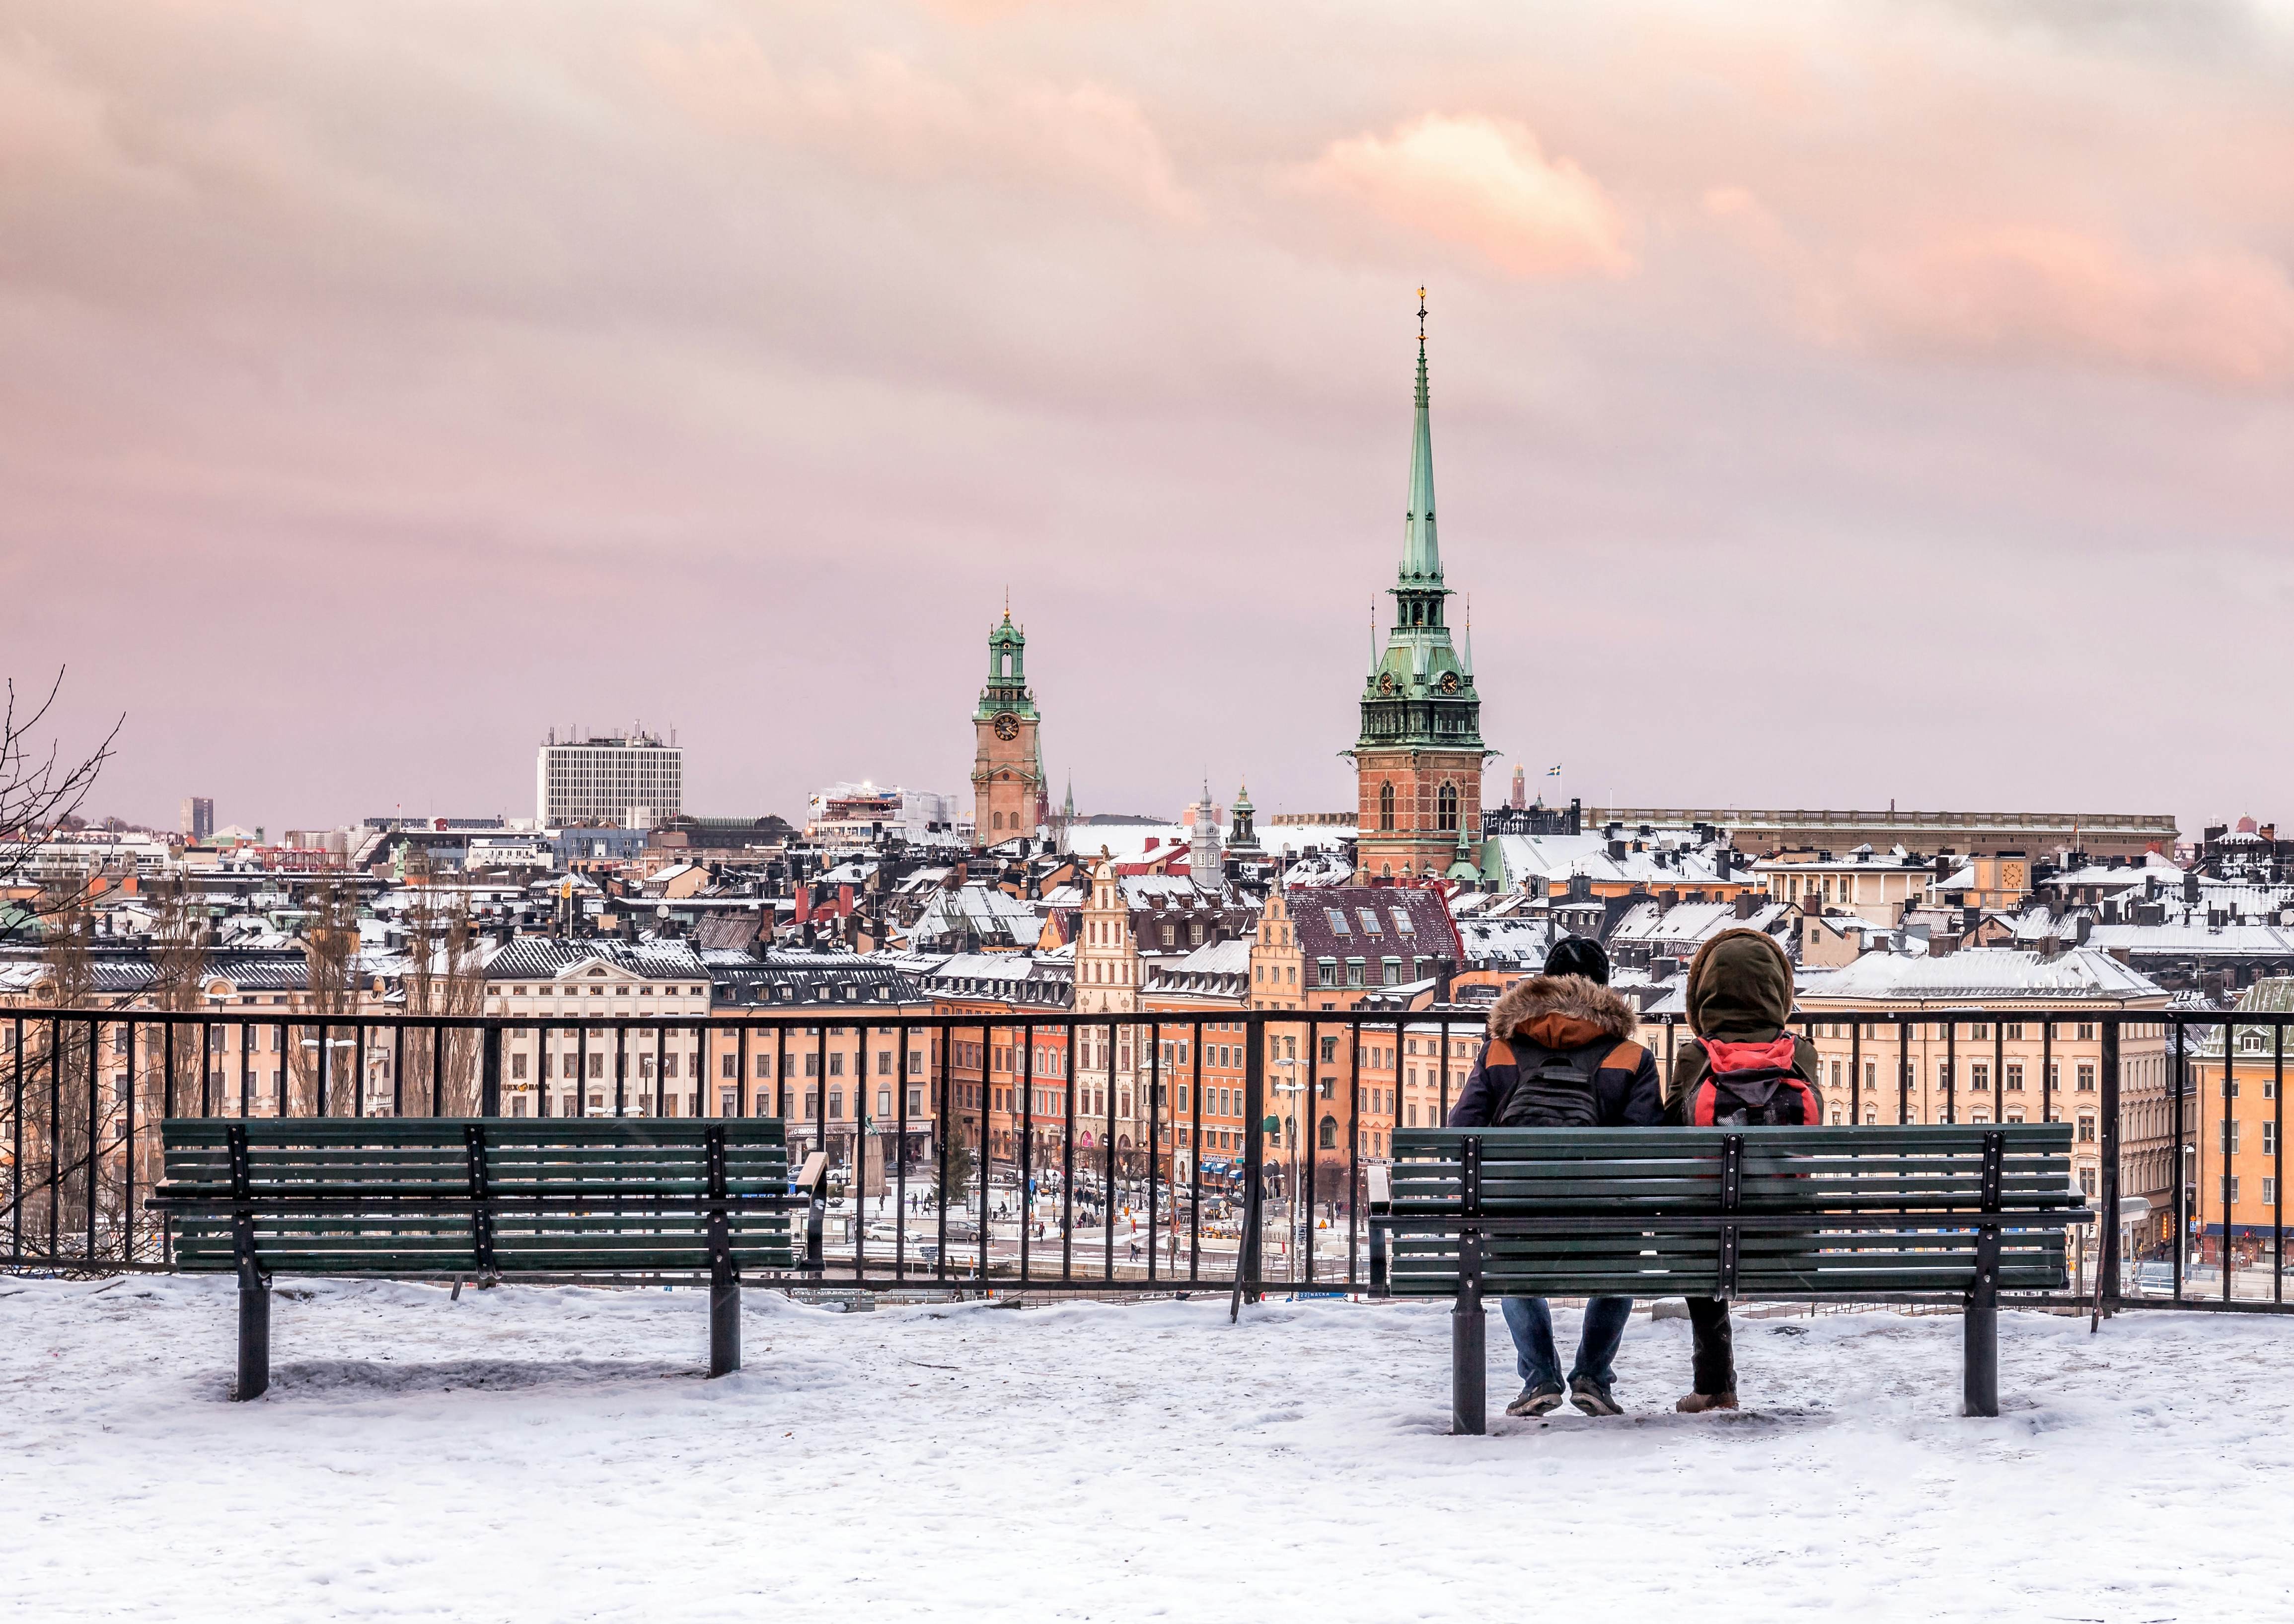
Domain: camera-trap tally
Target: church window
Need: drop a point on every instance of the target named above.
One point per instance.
(1447, 818)
(1385, 806)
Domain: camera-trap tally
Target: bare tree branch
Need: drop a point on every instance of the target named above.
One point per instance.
(39, 790)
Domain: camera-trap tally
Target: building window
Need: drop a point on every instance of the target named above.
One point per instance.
(1385, 806)
(836, 1105)
(2086, 1180)
(2087, 1079)
(2086, 1130)
(1447, 809)
(2016, 1079)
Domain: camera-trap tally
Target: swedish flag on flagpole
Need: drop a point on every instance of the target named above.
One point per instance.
(1553, 772)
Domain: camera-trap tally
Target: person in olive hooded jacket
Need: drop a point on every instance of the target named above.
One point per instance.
(1560, 1054)
(1741, 1067)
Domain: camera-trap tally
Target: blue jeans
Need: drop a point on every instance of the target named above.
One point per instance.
(1532, 1325)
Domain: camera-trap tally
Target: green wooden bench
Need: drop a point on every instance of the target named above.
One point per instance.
(483, 1198)
(1791, 1213)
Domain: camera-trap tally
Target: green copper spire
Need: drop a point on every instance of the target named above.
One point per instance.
(1422, 552)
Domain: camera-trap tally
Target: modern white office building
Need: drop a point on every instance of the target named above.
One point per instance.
(634, 780)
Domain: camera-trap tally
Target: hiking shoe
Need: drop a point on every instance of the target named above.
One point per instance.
(1535, 1401)
(1698, 1403)
(1594, 1399)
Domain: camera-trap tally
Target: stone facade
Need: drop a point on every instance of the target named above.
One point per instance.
(1007, 764)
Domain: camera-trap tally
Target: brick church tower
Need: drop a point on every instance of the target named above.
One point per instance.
(1418, 758)
(1007, 764)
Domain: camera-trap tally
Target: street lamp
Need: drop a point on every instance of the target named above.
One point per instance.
(1292, 1089)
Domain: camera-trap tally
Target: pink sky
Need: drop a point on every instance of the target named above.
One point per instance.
(1832, 404)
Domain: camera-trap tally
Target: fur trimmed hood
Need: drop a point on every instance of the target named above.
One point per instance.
(1561, 1012)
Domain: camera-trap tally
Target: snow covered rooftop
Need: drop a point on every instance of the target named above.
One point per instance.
(2076, 973)
(540, 1454)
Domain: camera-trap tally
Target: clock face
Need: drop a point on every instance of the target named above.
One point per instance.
(1386, 682)
(1449, 682)
(2011, 876)
(1007, 725)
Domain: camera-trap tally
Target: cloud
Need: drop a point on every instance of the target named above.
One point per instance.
(887, 117)
(2030, 293)
(2223, 317)
(1484, 183)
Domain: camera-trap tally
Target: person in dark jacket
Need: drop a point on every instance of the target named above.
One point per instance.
(1560, 1054)
(1740, 995)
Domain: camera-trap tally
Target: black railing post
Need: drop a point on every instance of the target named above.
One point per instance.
(490, 1072)
(2278, 1165)
(127, 1138)
(1980, 1375)
(1026, 1159)
(16, 1145)
(1855, 1068)
(1195, 1158)
(94, 1132)
(2106, 1294)
(901, 1166)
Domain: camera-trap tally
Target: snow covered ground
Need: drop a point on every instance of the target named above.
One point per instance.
(553, 1454)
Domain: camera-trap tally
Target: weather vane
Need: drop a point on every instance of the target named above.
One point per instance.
(1422, 314)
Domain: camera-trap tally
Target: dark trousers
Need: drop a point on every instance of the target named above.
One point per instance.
(1714, 1358)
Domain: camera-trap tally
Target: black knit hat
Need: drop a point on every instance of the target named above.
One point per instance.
(1579, 956)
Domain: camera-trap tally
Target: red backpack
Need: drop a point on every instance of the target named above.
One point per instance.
(1752, 1084)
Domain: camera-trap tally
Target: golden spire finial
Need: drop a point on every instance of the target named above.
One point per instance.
(1422, 315)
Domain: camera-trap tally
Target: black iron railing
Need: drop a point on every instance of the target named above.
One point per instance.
(1113, 1153)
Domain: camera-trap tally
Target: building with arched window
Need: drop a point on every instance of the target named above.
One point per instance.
(1009, 794)
(1418, 756)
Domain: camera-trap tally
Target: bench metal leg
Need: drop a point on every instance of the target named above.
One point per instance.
(724, 1327)
(254, 1340)
(1982, 1376)
(1469, 1397)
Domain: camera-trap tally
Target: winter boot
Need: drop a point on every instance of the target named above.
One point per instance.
(1535, 1401)
(1594, 1399)
(1700, 1403)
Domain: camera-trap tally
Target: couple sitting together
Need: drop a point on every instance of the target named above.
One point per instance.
(1560, 1054)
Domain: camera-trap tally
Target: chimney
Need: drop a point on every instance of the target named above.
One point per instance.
(2051, 947)
(1747, 905)
(2079, 930)
(1616, 851)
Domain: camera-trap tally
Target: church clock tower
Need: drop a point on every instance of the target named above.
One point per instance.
(1007, 765)
(1418, 760)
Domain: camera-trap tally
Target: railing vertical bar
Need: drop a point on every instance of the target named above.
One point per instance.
(2106, 1251)
(1309, 1149)
(438, 1067)
(246, 1070)
(1066, 1159)
(859, 1195)
(1025, 1162)
(16, 1145)
(56, 1130)
(1154, 1146)
(279, 1072)
(1195, 1159)
(1998, 1071)
(167, 1086)
(740, 1069)
(1855, 1068)
(2229, 1156)
(1249, 1255)
(2175, 1169)
(1445, 1063)
(985, 1161)
(2278, 1165)
(581, 1072)
(2046, 1071)
(1107, 1177)
(326, 1075)
(660, 1072)
(1354, 1151)
(1950, 1071)
(358, 1069)
(941, 1114)
(398, 1071)
(621, 1068)
(207, 1068)
(1903, 1071)
(127, 1199)
(901, 1166)
(94, 1130)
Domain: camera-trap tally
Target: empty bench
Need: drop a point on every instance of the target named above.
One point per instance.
(484, 1197)
(1794, 1213)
